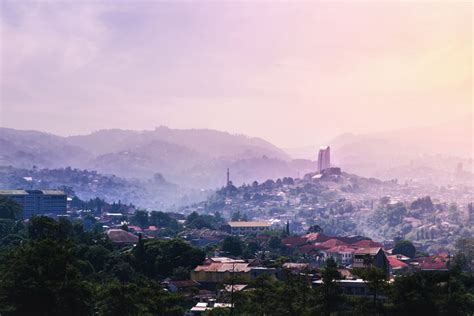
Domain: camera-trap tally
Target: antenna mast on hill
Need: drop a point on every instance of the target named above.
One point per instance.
(228, 177)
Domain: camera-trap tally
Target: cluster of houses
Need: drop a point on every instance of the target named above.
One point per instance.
(210, 280)
(359, 252)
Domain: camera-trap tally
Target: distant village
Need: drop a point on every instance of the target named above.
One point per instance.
(287, 226)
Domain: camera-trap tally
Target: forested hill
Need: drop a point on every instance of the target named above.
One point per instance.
(194, 158)
(155, 193)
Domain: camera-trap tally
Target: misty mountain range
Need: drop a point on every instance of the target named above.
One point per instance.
(424, 154)
(198, 158)
(189, 158)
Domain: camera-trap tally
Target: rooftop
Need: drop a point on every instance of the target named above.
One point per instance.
(348, 281)
(13, 192)
(26, 192)
(295, 265)
(235, 287)
(53, 192)
(367, 251)
(395, 263)
(332, 243)
(367, 244)
(341, 249)
(249, 224)
(226, 260)
(121, 237)
(224, 267)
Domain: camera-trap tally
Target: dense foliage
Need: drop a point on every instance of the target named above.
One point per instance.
(50, 267)
(420, 293)
(58, 268)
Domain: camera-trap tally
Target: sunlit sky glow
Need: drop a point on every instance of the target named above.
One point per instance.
(293, 73)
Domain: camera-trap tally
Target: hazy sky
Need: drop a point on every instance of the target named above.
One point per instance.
(292, 73)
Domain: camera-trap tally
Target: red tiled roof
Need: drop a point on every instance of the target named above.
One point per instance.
(317, 237)
(395, 263)
(369, 251)
(135, 228)
(437, 262)
(121, 237)
(333, 243)
(433, 265)
(339, 249)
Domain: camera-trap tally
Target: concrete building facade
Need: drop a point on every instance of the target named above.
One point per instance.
(324, 158)
(248, 228)
(38, 202)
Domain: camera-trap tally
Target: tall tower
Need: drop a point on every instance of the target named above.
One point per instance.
(228, 177)
(324, 158)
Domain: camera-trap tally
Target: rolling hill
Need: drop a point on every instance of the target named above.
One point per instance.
(191, 158)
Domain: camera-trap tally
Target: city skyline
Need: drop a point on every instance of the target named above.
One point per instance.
(293, 74)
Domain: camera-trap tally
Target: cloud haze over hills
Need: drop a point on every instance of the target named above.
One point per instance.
(292, 73)
(404, 153)
(190, 158)
(199, 158)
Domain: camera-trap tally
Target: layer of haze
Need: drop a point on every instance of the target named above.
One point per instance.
(294, 74)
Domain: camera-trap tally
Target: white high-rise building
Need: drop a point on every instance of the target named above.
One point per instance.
(324, 158)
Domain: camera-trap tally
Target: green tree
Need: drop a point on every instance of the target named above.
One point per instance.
(376, 279)
(181, 273)
(98, 256)
(161, 219)
(9, 209)
(43, 227)
(329, 291)
(274, 242)
(141, 298)
(43, 278)
(232, 245)
(140, 219)
(194, 220)
(162, 257)
(404, 247)
(218, 312)
(261, 300)
(250, 250)
(7, 227)
(315, 229)
(465, 253)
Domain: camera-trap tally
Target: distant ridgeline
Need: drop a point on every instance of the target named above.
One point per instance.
(153, 193)
(194, 159)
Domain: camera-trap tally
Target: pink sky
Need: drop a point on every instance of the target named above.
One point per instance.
(294, 74)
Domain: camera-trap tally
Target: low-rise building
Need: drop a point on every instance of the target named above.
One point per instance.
(371, 257)
(38, 202)
(218, 272)
(121, 237)
(175, 286)
(341, 254)
(202, 307)
(352, 287)
(248, 228)
(397, 267)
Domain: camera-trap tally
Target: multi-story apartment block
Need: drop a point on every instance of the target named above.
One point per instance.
(38, 202)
